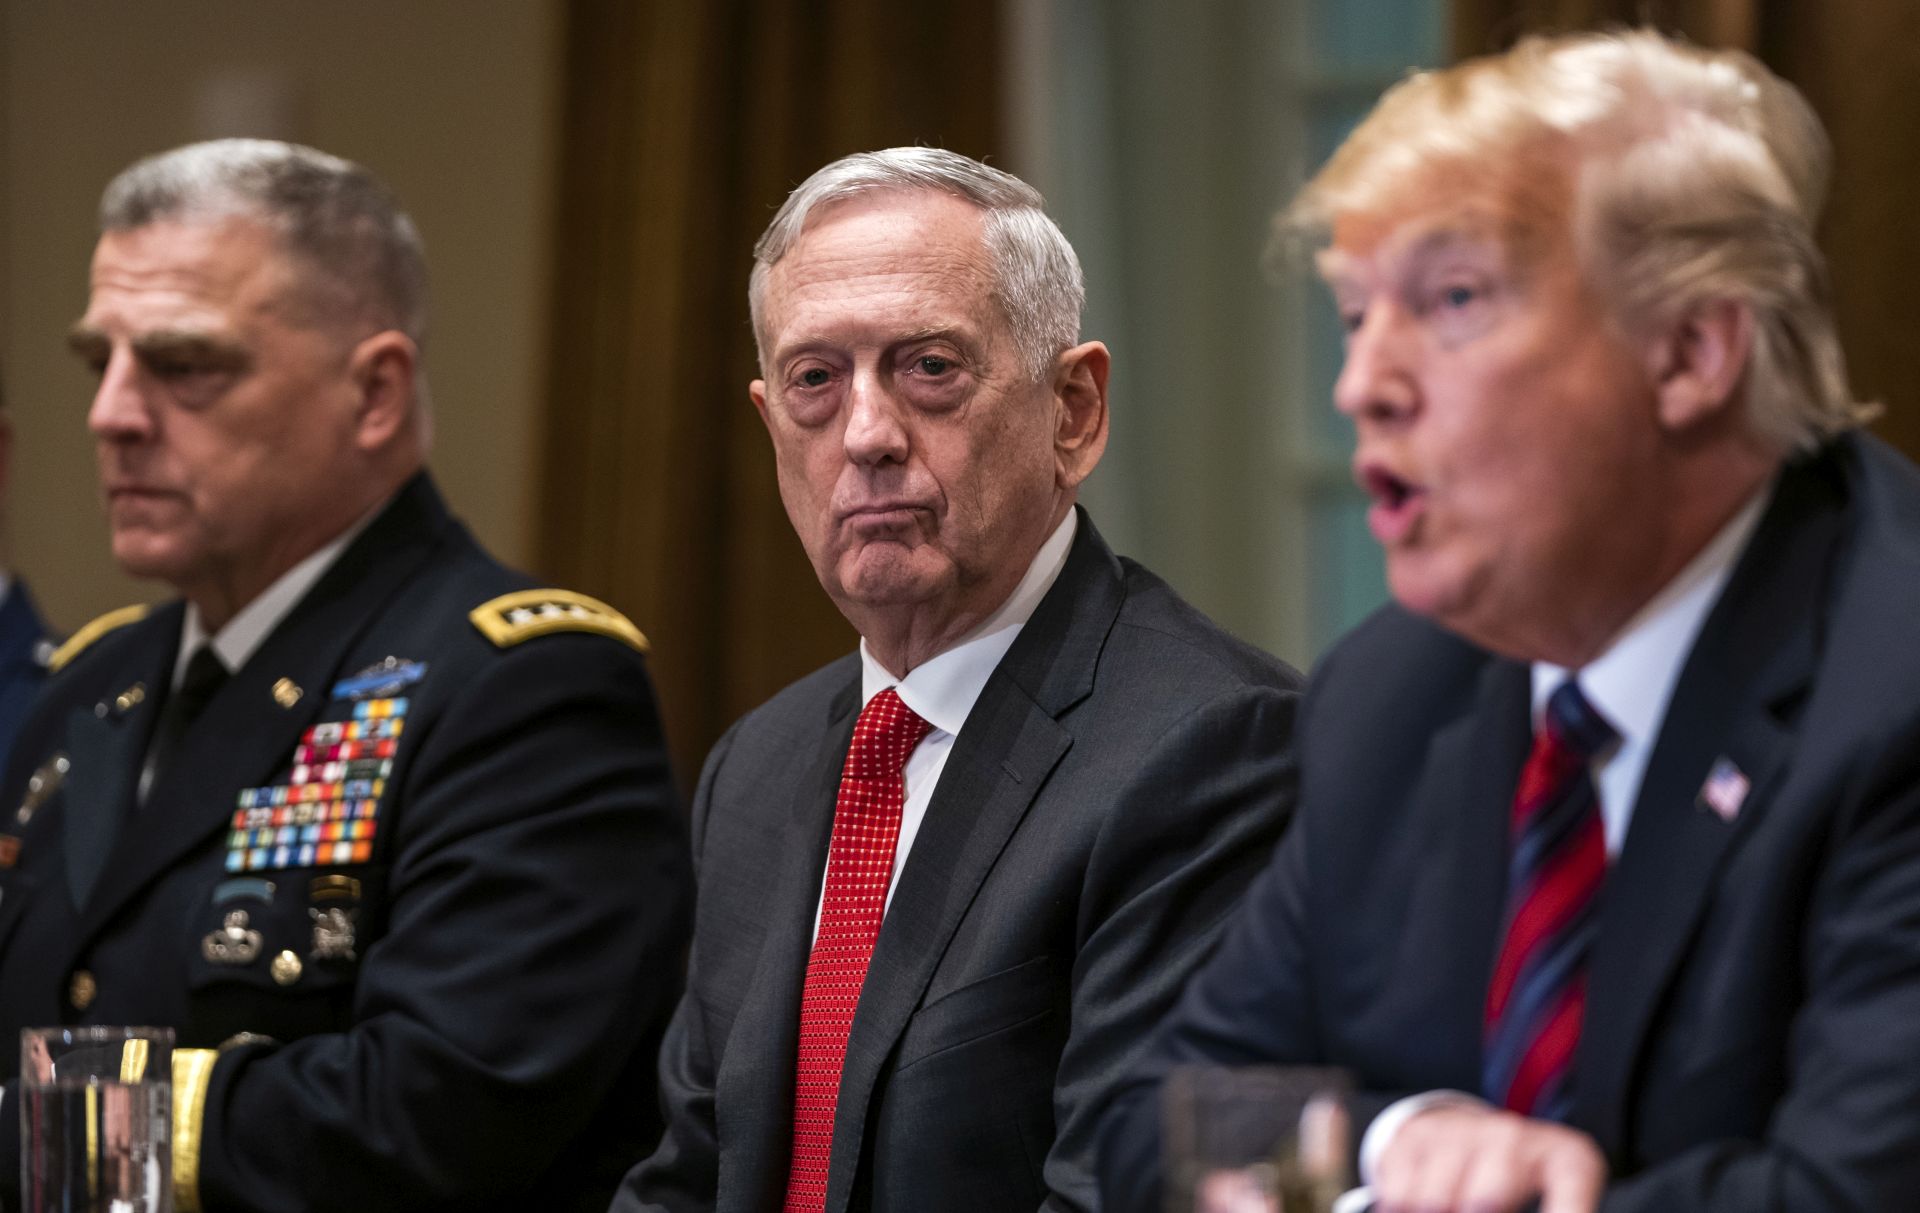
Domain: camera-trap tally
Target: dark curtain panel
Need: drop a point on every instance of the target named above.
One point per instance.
(685, 125)
(1856, 62)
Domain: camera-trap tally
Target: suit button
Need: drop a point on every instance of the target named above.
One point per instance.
(285, 968)
(82, 990)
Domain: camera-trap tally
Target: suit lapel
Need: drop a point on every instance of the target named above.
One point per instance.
(196, 796)
(1474, 765)
(753, 1090)
(1754, 655)
(1008, 746)
(105, 744)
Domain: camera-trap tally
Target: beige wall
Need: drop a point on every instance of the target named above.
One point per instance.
(449, 100)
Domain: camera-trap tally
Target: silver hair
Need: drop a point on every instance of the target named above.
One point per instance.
(1698, 175)
(1037, 277)
(337, 217)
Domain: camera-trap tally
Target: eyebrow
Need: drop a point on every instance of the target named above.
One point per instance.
(88, 341)
(1336, 267)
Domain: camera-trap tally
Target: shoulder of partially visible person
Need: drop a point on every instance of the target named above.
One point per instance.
(1193, 650)
(88, 669)
(1868, 652)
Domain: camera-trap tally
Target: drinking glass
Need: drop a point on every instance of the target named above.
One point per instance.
(95, 1116)
(1257, 1139)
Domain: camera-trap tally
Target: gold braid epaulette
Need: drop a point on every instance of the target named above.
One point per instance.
(512, 618)
(78, 642)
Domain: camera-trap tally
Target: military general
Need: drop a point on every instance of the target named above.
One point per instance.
(382, 830)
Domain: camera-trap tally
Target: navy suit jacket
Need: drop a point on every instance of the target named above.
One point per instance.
(1752, 1035)
(1121, 778)
(22, 636)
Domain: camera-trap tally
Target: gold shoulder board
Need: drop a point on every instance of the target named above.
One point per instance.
(77, 643)
(512, 618)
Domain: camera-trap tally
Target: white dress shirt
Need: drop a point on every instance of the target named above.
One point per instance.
(253, 623)
(942, 690)
(1630, 684)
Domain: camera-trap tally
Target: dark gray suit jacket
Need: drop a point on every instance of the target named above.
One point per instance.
(1752, 1033)
(1122, 776)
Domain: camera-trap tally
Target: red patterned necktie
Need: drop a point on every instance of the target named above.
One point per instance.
(1538, 995)
(866, 824)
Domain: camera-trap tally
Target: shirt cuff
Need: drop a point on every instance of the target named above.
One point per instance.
(1380, 1133)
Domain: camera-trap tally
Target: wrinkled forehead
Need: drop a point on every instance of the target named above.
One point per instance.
(881, 251)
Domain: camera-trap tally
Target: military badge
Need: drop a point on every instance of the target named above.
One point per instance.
(382, 680)
(332, 933)
(235, 943)
(327, 812)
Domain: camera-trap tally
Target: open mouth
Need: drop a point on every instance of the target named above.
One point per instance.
(1396, 503)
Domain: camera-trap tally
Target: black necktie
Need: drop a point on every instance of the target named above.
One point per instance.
(204, 677)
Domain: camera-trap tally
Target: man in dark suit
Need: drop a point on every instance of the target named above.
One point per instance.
(1606, 883)
(384, 832)
(948, 881)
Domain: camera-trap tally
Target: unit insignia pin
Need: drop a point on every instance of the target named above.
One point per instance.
(234, 943)
(332, 933)
(287, 692)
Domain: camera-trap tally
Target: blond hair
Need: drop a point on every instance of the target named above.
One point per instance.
(1697, 176)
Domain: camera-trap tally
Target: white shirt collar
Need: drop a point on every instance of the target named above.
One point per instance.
(942, 690)
(254, 622)
(1633, 678)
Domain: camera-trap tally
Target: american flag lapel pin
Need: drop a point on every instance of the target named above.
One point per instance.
(1726, 789)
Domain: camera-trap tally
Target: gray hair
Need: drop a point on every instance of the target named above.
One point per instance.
(1037, 277)
(333, 214)
(1699, 176)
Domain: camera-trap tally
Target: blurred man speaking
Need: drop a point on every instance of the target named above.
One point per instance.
(384, 825)
(948, 881)
(1608, 839)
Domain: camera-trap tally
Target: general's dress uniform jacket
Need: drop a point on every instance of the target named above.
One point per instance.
(417, 873)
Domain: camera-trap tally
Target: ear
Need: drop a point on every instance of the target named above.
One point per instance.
(757, 390)
(1080, 425)
(1698, 361)
(382, 368)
